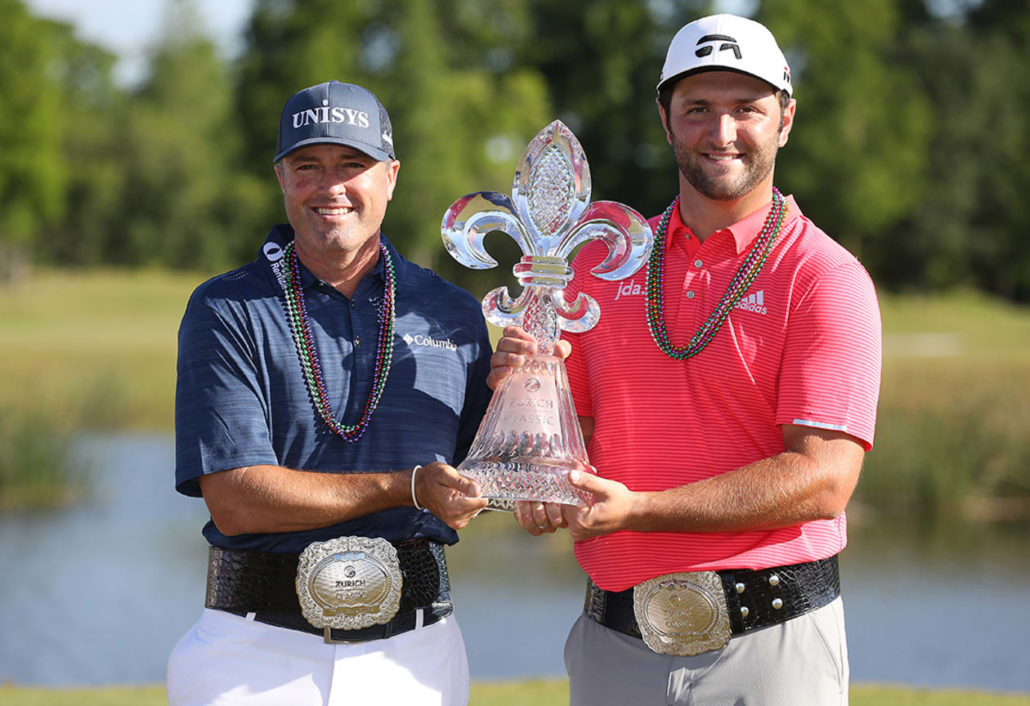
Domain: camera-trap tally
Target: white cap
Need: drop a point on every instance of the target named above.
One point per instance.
(726, 42)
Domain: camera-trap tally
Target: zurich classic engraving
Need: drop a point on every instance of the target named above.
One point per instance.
(682, 614)
(681, 611)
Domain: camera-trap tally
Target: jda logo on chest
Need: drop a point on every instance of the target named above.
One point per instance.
(629, 289)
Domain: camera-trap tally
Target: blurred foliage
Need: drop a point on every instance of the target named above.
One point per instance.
(909, 145)
(33, 175)
(857, 157)
(182, 150)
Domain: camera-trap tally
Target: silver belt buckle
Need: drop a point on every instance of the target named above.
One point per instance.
(682, 614)
(349, 583)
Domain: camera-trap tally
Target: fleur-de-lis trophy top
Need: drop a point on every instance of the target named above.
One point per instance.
(549, 214)
(530, 437)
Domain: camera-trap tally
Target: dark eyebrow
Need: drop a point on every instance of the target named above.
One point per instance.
(742, 99)
(300, 159)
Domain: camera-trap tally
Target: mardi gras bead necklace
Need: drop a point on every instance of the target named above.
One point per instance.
(297, 318)
(745, 275)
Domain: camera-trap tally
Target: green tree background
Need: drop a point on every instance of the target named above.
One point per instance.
(910, 146)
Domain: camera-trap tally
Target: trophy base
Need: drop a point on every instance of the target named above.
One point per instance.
(505, 483)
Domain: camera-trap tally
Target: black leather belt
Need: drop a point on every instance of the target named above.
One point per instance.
(754, 599)
(264, 583)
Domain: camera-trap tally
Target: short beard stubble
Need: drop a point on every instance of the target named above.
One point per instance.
(758, 165)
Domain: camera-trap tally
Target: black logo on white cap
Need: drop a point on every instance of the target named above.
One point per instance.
(728, 43)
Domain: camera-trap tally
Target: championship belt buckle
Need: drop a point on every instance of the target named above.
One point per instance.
(682, 614)
(349, 583)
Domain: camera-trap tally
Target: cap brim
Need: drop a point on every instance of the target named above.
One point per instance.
(376, 154)
(706, 69)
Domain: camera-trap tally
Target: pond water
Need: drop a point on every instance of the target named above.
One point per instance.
(99, 593)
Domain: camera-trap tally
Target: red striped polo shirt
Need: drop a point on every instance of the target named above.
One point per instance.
(801, 347)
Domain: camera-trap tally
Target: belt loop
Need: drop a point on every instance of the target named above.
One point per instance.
(419, 618)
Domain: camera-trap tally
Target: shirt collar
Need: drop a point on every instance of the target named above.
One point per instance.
(282, 234)
(677, 229)
(743, 231)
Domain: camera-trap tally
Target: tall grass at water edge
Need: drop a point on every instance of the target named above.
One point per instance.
(96, 351)
(81, 352)
(38, 466)
(35, 463)
(951, 436)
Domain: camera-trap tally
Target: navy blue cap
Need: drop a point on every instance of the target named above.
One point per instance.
(336, 113)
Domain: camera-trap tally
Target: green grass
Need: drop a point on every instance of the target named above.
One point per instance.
(954, 409)
(84, 696)
(97, 347)
(539, 692)
(900, 696)
(100, 346)
(96, 350)
(969, 326)
(533, 692)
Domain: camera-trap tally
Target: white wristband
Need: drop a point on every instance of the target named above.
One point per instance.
(414, 500)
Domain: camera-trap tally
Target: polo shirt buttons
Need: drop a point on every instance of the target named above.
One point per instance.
(698, 263)
(690, 294)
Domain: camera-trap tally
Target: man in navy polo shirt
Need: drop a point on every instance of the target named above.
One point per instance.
(325, 393)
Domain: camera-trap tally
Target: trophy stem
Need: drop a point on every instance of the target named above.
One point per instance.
(541, 321)
(530, 439)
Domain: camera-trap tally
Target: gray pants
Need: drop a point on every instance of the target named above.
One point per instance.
(803, 662)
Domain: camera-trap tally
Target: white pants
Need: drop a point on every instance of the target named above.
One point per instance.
(226, 660)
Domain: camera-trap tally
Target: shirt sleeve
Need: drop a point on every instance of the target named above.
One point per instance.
(830, 373)
(477, 397)
(221, 417)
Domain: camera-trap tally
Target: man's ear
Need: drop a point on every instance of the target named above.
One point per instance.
(393, 168)
(787, 122)
(665, 120)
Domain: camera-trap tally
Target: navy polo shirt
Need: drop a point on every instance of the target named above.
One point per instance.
(241, 398)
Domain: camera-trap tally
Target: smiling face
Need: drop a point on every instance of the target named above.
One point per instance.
(335, 199)
(725, 129)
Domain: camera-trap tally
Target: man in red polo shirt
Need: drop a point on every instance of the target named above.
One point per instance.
(728, 396)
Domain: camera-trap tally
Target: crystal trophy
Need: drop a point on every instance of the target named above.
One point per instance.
(530, 438)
